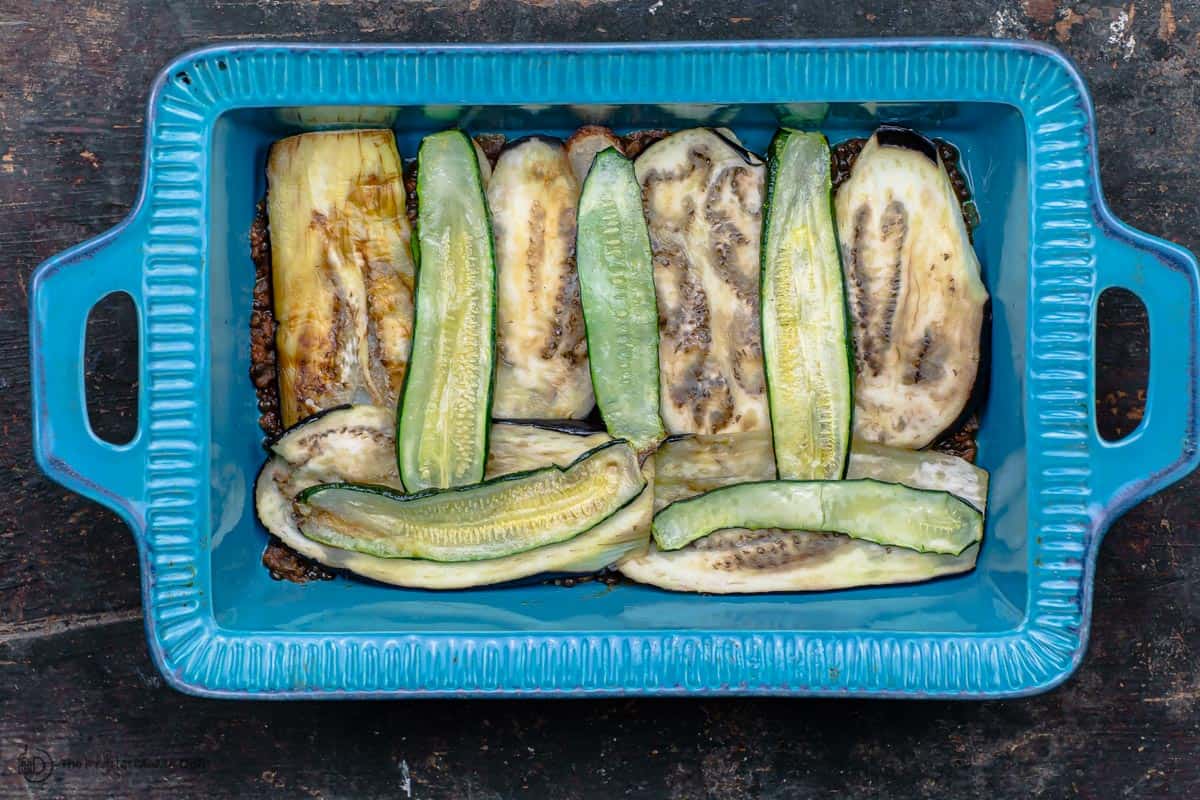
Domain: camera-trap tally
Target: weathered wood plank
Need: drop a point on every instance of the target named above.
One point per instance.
(75, 676)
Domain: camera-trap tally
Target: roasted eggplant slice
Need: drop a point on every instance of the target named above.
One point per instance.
(742, 561)
(702, 197)
(542, 366)
(351, 443)
(355, 443)
(585, 144)
(915, 295)
(444, 412)
(342, 271)
(492, 519)
(617, 281)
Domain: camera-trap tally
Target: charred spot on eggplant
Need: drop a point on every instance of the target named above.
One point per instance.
(914, 293)
(633, 143)
(491, 144)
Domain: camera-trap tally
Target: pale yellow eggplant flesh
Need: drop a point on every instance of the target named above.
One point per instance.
(342, 270)
(914, 293)
(702, 196)
(541, 350)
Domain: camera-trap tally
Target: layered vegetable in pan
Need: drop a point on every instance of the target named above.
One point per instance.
(711, 370)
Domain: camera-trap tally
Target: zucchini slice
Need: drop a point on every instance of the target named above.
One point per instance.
(342, 271)
(617, 282)
(884, 513)
(623, 533)
(444, 413)
(497, 518)
(805, 336)
(915, 295)
(702, 197)
(740, 561)
(541, 349)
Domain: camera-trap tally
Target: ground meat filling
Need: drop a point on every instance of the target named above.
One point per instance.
(262, 327)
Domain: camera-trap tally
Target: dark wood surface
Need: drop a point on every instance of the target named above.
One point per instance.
(76, 682)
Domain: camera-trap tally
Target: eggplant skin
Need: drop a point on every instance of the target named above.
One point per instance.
(541, 347)
(342, 270)
(914, 292)
(702, 196)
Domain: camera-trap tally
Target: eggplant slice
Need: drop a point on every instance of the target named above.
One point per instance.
(342, 270)
(585, 144)
(739, 561)
(914, 291)
(355, 443)
(702, 195)
(542, 367)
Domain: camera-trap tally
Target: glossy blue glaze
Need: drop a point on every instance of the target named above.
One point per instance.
(218, 625)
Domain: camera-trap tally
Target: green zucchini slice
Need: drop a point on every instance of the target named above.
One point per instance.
(444, 414)
(736, 560)
(805, 334)
(497, 518)
(620, 314)
(624, 533)
(884, 513)
(354, 443)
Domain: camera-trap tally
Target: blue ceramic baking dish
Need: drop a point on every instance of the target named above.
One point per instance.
(219, 626)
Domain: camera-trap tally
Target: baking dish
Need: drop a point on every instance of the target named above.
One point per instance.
(218, 625)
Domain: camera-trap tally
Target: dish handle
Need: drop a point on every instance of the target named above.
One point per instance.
(1163, 447)
(62, 295)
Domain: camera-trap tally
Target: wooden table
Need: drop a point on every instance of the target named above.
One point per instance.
(76, 683)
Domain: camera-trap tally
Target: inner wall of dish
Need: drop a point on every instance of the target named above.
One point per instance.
(992, 140)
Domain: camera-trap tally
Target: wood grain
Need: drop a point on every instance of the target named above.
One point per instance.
(75, 678)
